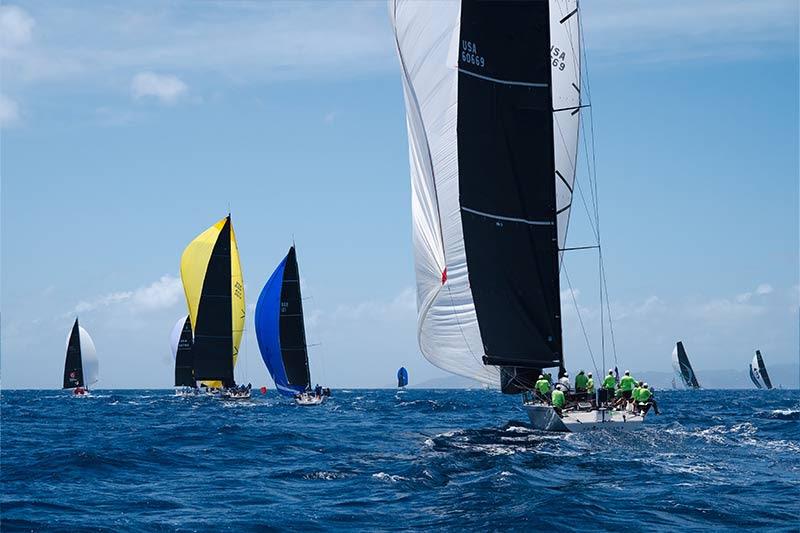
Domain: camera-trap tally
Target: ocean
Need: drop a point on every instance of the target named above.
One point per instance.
(144, 460)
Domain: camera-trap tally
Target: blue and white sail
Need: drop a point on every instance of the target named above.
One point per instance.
(402, 377)
(280, 329)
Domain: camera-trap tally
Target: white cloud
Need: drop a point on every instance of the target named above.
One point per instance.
(9, 111)
(762, 290)
(16, 27)
(165, 87)
(404, 303)
(161, 294)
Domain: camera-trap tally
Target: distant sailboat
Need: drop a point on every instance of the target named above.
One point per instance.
(212, 280)
(402, 377)
(758, 372)
(81, 367)
(493, 104)
(281, 333)
(181, 344)
(683, 368)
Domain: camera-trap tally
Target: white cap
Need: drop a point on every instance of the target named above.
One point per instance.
(645, 385)
(627, 372)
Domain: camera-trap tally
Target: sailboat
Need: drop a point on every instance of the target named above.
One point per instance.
(81, 367)
(402, 377)
(281, 333)
(758, 372)
(683, 368)
(212, 281)
(181, 344)
(493, 100)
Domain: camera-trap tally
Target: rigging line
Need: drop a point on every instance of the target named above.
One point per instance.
(580, 319)
(592, 247)
(460, 329)
(610, 323)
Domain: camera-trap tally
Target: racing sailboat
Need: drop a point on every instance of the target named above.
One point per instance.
(402, 377)
(758, 372)
(493, 102)
(212, 281)
(81, 367)
(683, 368)
(281, 333)
(181, 343)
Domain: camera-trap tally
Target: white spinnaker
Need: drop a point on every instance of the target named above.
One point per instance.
(175, 336)
(676, 366)
(427, 38)
(565, 57)
(91, 366)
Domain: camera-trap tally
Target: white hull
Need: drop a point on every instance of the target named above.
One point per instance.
(225, 395)
(544, 417)
(308, 399)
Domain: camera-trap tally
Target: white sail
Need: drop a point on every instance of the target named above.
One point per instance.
(565, 53)
(175, 336)
(91, 366)
(755, 373)
(427, 35)
(676, 367)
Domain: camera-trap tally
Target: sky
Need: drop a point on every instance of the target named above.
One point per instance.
(126, 129)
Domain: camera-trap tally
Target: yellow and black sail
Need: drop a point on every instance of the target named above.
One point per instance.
(212, 280)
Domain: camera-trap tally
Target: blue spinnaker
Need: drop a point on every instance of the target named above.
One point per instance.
(402, 377)
(267, 319)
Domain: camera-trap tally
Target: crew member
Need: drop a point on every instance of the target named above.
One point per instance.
(542, 387)
(590, 384)
(609, 384)
(559, 400)
(580, 382)
(646, 400)
(627, 384)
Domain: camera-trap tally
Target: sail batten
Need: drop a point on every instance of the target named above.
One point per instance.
(490, 184)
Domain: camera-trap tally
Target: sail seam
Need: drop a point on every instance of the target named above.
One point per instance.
(508, 219)
(504, 82)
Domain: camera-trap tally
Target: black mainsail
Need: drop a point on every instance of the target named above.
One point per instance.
(73, 366)
(184, 367)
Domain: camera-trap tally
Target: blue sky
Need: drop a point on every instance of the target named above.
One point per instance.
(128, 129)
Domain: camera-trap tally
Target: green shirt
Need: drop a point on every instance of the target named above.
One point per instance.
(580, 381)
(618, 393)
(609, 382)
(644, 395)
(558, 398)
(590, 385)
(627, 383)
(542, 386)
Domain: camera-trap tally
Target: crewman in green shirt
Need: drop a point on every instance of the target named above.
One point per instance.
(590, 385)
(646, 400)
(580, 382)
(542, 387)
(609, 383)
(627, 384)
(558, 400)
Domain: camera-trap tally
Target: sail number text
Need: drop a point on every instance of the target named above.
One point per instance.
(469, 54)
(559, 57)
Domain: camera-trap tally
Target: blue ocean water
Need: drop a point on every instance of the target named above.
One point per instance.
(383, 460)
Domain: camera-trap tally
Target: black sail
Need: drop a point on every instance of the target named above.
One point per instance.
(762, 369)
(184, 369)
(507, 191)
(292, 328)
(73, 366)
(687, 373)
(213, 334)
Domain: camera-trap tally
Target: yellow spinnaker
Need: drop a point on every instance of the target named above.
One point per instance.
(194, 263)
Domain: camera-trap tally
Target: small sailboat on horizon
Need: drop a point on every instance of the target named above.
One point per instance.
(402, 377)
(212, 280)
(683, 368)
(81, 367)
(758, 372)
(281, 334)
